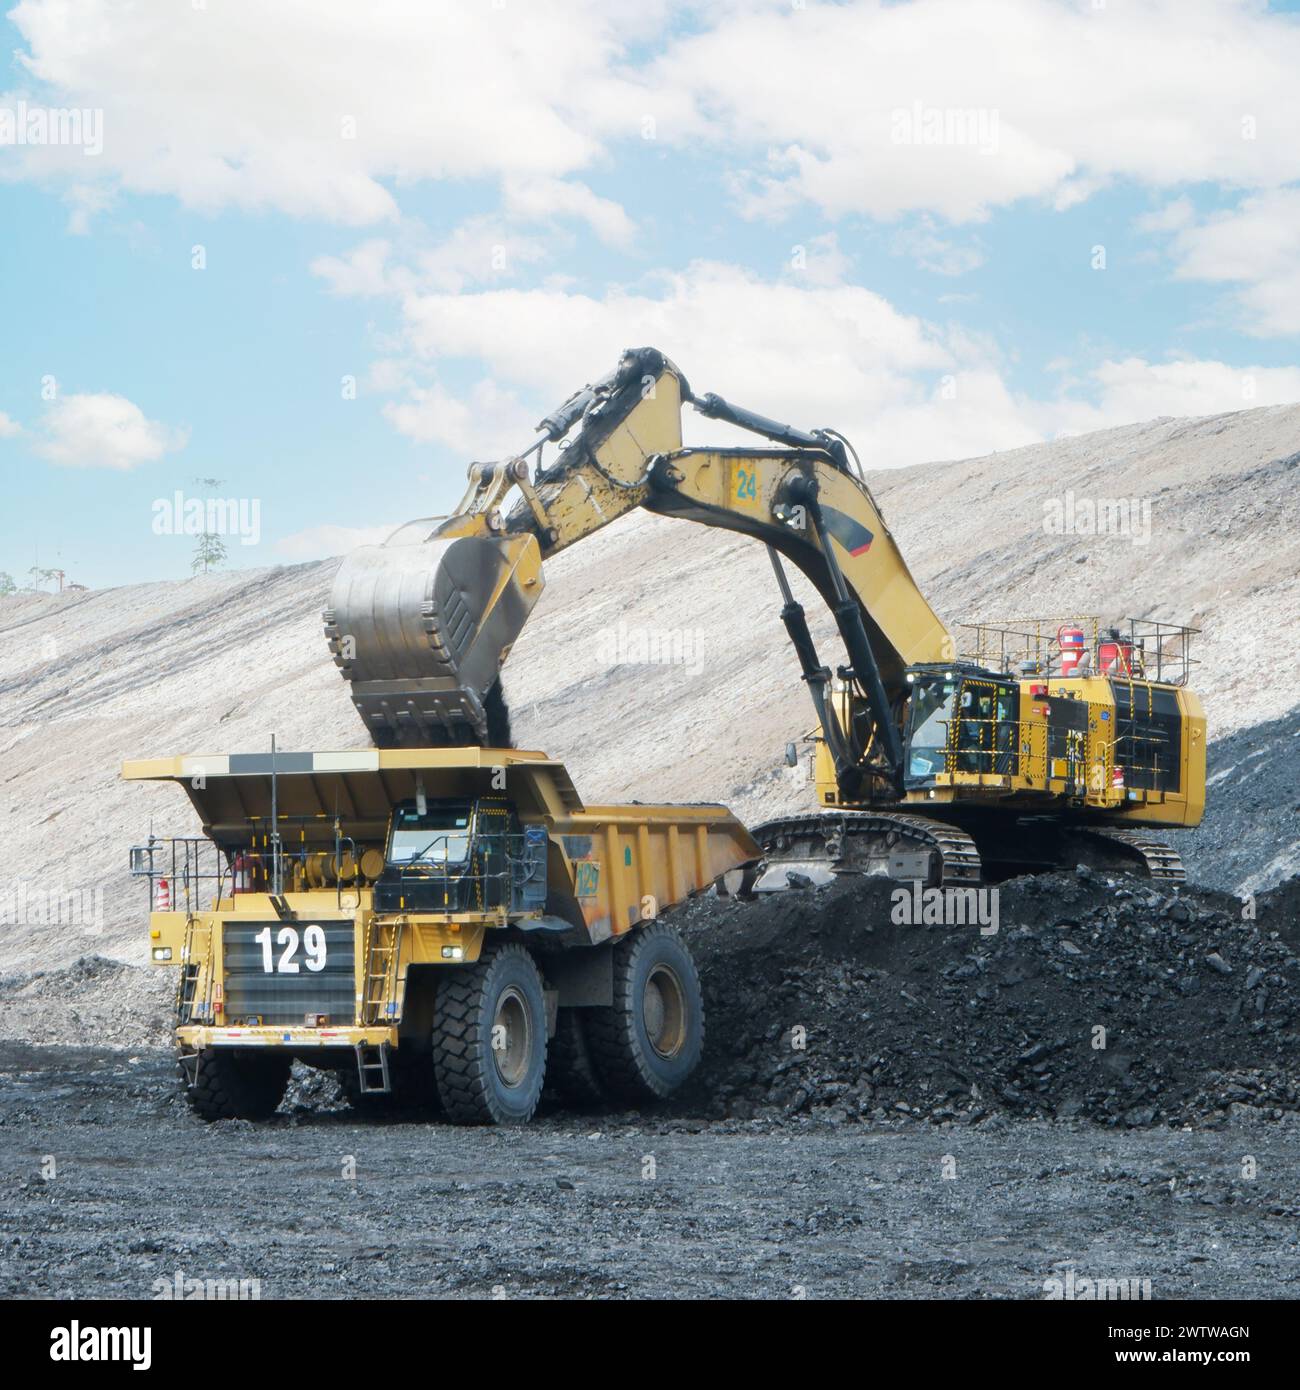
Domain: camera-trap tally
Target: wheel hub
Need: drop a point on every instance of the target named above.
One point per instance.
(663, 1011)
(512, 1037)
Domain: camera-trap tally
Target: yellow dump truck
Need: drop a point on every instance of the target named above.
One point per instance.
(435, 925)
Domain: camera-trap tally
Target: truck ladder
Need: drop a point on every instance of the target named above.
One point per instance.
(380, 1001)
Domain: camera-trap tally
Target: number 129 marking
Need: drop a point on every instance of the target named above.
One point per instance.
(313, 943)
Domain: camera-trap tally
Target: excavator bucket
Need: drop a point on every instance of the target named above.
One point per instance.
(421, 625)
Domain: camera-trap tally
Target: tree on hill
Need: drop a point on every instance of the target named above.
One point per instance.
(209, 552)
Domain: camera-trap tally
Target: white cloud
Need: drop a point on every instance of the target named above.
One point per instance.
(101, 430)
(819, 352)
(938, 254)
(1134, 389)
(363, 271)
(903, 389)
(9, 428)
(539, 200)
(1255, 246)
(821, 261)
(960, 106)
(480, 249)
(482, 425)
(811, 353)
(243, 104)
(322, 542)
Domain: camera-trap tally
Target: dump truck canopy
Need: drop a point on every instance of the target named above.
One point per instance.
(359, 787)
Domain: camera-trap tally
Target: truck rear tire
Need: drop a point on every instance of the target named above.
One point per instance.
(650, 1040)
(570, 1068)
(480, 1083)
(230, 1084)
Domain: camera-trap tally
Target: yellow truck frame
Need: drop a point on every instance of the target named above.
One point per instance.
(527, 931)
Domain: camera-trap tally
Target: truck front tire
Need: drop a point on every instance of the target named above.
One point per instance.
(489, 1039)
(231, 1084)
(650, 1040)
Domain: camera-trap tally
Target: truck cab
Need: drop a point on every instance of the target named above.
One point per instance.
(460, 855)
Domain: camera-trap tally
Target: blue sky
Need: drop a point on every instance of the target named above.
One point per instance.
(528, 190)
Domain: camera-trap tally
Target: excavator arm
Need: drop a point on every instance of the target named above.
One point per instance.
(422, 624)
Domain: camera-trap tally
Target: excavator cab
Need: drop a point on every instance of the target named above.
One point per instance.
(959, 721)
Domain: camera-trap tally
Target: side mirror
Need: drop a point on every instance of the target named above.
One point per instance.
(791, 755)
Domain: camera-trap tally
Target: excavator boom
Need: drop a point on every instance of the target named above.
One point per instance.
(421, 624)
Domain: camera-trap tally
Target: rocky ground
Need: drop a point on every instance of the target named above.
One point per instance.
(884, 1110)
(316, 1205)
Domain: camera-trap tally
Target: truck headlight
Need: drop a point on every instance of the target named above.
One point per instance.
(453, 953)
(162, 953)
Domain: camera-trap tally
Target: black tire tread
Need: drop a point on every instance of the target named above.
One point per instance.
(609, 1031)
(461, 1052)
(225, 1090)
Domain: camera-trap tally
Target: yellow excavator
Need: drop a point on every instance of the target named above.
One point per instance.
(1039, 744)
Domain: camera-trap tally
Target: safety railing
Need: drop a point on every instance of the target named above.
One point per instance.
(1134, 648)
(182, 873)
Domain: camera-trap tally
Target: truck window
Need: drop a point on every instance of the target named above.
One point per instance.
(440, 836)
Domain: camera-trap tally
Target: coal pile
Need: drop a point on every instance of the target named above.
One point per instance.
(819, 1005)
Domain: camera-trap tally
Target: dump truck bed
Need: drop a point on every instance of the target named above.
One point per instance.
(609, 866)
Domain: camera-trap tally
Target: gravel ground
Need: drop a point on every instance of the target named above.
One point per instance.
(618, 1206)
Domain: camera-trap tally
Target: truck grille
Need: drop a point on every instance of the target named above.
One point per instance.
(282, 996)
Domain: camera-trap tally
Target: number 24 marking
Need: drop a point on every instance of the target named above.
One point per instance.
(746, 483)
(313, 941)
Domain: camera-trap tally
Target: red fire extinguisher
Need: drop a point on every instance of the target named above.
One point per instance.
(243, 877)
(1070, 640)
(1116, 657)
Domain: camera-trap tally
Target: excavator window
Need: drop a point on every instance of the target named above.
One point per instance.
(986, 728)
(933, 705)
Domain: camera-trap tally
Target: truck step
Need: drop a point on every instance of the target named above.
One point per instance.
(373, 1076)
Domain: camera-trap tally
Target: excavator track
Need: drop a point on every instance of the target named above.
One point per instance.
(959, 860)
(1163, 864)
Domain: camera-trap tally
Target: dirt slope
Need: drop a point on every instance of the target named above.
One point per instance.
(217, 664)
